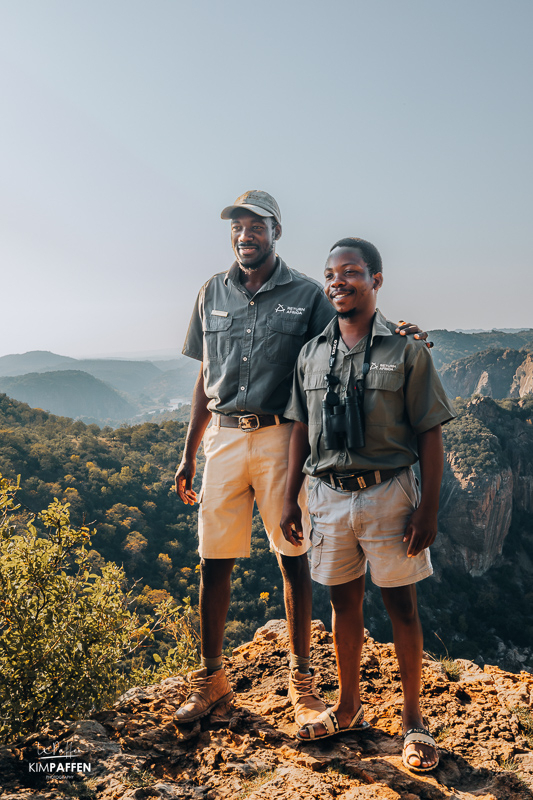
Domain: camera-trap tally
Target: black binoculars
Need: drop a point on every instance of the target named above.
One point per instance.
(343, 424)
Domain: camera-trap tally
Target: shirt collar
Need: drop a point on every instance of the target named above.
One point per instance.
(379, 328)
(280, 276)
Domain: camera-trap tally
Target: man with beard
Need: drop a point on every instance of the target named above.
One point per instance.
(247, 329)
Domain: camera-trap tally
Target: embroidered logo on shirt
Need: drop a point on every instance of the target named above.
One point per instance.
(383, 367)
(291, 309)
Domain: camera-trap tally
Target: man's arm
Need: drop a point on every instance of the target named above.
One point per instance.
(291, 517)
(200, 416)
(421, 529)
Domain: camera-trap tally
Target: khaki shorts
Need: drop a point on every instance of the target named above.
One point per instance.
(240, 467)
(350, 529)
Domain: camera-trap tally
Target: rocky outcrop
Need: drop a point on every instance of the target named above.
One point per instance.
(474, 517)
(248, 750)
(522, 384)
(492, 373)
(488, 479)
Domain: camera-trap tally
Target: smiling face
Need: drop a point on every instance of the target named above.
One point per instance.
(253, 238)
(349, 286)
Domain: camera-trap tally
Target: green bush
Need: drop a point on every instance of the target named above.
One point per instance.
(64, 630)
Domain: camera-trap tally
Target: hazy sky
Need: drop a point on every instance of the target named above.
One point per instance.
(127, 126)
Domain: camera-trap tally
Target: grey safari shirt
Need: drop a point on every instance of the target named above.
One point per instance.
(403, 398)
(249, 343)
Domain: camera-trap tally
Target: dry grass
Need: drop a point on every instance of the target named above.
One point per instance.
(250, 785)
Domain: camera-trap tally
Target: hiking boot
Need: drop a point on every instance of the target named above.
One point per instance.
(206, 692)
(304, 697)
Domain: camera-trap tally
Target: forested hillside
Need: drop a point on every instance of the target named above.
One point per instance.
(121, 483)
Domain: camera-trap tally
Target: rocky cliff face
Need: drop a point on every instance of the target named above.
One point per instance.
(488, 479)
(474, 518)
(493, 373)
(522, 384)
(482, 723)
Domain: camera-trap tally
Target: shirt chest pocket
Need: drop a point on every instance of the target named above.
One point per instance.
(284, 338)
(384, 398)
(217, 340)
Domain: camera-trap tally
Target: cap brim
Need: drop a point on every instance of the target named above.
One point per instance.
(228, 211)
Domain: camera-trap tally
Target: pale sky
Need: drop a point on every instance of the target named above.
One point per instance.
(127, 126)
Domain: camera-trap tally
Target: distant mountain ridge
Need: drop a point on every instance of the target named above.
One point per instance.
(452, 345)
(493, 363)
(33, 361)
(68, 393)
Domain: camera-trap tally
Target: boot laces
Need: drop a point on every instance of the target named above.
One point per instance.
(305, 686)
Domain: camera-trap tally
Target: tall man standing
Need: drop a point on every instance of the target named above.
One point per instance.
(247, 329)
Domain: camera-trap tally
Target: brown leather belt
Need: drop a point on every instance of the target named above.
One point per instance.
(249, 422)
(358, 480)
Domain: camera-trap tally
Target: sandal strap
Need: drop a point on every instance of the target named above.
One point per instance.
(420, 736)
(328, 719)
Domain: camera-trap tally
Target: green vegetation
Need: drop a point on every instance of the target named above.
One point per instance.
(119, 483)
(476, 449)
(65, 630)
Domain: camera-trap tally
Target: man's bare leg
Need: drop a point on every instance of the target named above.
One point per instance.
(215, 592)
(348, 635)
(209, 685)
(297, 591)
(298, 596)
(401, 606)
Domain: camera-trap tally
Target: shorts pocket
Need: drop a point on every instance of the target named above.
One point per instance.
(317, 542)
(407, 482)
(311, 501)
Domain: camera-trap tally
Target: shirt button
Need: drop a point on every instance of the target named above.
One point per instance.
(242, 388)
(245, 359)
(252, 303)
(248, 330)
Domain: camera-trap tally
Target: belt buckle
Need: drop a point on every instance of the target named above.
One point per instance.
(246, 422)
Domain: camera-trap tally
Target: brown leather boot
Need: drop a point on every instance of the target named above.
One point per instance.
(207, 691)
(304, 697)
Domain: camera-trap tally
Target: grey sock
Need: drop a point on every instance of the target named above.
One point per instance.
(212, 664)
(300, 663)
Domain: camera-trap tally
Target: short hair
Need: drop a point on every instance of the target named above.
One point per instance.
(370, 252)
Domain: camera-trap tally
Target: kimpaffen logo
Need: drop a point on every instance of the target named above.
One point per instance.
(58, 761)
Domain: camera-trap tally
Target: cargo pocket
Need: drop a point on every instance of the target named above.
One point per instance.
(217, 337)
(317, 542)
